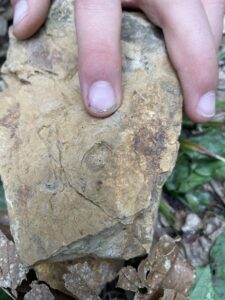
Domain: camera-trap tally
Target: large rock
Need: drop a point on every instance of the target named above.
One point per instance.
(77, 185)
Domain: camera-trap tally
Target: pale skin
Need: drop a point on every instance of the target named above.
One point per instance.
(192, 30)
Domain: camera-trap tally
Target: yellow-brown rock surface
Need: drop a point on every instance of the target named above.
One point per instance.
(77, 185)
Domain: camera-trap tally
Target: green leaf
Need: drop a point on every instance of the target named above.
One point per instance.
(220, 103)
(219, 173)
(217, 255)
(4, 296)
(222, 55)
(164, 208)
(201, 159)
(206, 168)
(179, 174)
(213, 139)
(203, 288)
(198, 200)
(192, 181)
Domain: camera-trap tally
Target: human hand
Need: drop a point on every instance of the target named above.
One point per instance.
(192, 30)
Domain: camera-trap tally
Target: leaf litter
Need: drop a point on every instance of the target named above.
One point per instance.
(164, 272)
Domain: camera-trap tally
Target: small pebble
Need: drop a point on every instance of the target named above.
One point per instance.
(192, 223)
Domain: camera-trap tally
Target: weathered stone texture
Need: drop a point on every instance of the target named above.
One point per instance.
(77, 185)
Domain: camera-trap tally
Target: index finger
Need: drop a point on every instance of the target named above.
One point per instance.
(98, 25)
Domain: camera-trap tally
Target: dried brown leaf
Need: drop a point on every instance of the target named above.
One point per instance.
(39, 292)
(164, 269)
(12, 272)
(172, 295)
(153, 270)
(181, 276)
(129, 280)
(80, 282)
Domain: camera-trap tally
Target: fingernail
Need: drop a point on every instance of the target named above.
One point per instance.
(20, 11)
(206, 105)
(101, 97)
